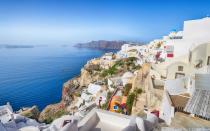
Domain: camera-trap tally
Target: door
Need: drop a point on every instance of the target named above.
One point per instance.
(208, 61)
(179, 75)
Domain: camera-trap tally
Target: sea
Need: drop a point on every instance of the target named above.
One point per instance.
(34, 76)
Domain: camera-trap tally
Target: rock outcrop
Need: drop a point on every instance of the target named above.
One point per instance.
(32, 112)
(85, 77)
(69, 93)
(54, 111)
(102, 44)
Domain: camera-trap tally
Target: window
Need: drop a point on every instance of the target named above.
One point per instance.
(179, 75)
(115, 107)
(180, 68)
(208, 61)
(199, 64)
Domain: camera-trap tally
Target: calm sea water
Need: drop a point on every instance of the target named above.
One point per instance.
(34, 76)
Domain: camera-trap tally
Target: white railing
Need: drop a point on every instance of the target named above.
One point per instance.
(204, 69)
(208, 69)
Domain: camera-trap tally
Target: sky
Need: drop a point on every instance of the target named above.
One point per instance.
(73, 21)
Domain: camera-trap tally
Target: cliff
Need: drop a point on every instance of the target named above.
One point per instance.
(92, 72)
(102, 44)
(70, 93)
(32, 112)
(54, 111)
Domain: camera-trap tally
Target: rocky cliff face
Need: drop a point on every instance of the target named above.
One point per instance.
(54, 111)
(32, 112)
(102, 44)
(70, 88)
(85, 78)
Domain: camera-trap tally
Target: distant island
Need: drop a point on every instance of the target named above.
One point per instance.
(102, 44)
(15, 46)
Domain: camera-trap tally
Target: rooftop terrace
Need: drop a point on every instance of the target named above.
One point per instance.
(104, 121)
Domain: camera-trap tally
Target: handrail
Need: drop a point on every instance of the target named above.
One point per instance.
(113, 94)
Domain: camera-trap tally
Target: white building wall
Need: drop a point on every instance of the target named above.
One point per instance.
(110, 83)
(197, 30)
(190, 84)
(167, 111)
(6, 113)
(200, 53)
(173, 69)
(202, 81)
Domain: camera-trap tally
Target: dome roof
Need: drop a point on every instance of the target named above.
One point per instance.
(127, 75)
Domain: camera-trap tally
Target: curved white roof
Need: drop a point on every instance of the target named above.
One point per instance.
(127, 75)
(57, 124)
(29, 128)
(93, 88)
(179, 33)
(175, 87)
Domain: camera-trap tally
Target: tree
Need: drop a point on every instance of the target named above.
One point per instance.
(127, 89)
(104, 106)
(129, 102)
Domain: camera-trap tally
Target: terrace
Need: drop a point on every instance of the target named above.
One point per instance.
(98, 120)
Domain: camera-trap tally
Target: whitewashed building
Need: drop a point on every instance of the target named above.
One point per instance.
(195, 32)
(108, 56)
(127, 76)
(93, 89)
(9, 121)
(6, 113)
(199, 103)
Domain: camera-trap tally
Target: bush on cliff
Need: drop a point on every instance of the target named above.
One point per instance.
(139, 90)
(112, 70)
(132, 59)
(130, 101)
(123, 64)
(48, 120)
(32, 112)
(77, 94)
(52, 112)
(104, 106)
(136, 67)
(54, 116)
(119, 63)
(127, 89)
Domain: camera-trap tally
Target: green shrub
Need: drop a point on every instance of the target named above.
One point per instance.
(48, 120)
(158, 45)
(132, 59)
(77, 94)
(56, 115)
(111, 71)
(138, 90)
(137, 67)
(119, 63)
(104, 73)
(127, 89)
(104, 106)
(130, 101)
(59, 113)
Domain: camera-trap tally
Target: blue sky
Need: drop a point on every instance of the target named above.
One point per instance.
(71, 21)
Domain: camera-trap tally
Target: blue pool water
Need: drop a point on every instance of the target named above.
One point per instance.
(34, 76)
